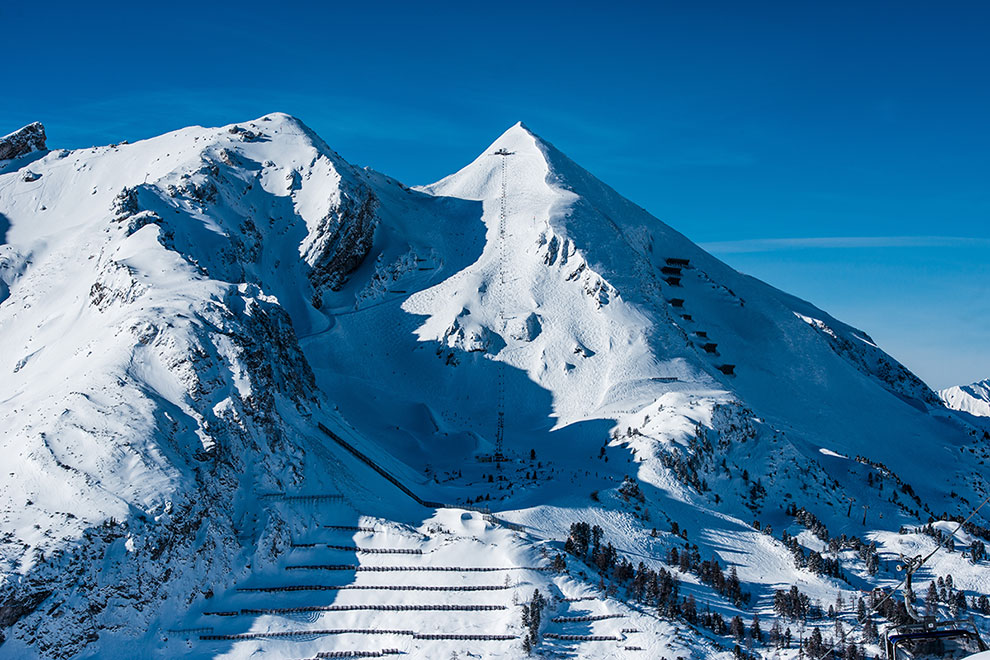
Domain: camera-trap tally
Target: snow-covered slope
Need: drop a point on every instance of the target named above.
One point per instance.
(973, 398)
(226, 349)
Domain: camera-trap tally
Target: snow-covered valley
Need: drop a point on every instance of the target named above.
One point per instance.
(252, 399)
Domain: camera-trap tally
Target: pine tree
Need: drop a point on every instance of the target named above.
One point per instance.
(960, 601)
(870, 632)
(736, 628)
(776, 636)
(815, 645)
(532, 614)
(689, 610)
(755, 631)
(931, 600)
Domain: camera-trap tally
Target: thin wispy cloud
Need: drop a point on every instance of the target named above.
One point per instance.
(842, 242)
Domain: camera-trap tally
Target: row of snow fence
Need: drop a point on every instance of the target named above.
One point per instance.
(357, 654)
(466, 638)
(355, 631)
(585, 618)
(376, 587)
(577, 599)
(374, 608)
(385, 569)
(582, 638)
(354, 548)
(325, 497)
(351, 654)
(305, 633)
(350, 528)
(495, 520)
(626, 631)
(189, 631)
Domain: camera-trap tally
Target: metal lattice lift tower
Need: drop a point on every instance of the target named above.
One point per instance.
(500, 405)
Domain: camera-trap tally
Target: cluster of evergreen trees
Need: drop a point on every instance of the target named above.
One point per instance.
(710, 572)
(903, 485)
(977, 549)
(942, 591)
(656, 588)
(813, 561)
(793, 604)
(817, 563)
(809, 520)
(816, 646)
(532, 616)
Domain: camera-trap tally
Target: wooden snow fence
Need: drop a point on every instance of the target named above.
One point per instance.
(359, 549)
(585, 618)
(309, 499)
(291, 634)
(374, 587)
(349, 654)
(582, 638)
(189, 631)
(389, 569)
(356, 654)
(466, 638)
(373, 608)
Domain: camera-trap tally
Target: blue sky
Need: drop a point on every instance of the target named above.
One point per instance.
(840, 150)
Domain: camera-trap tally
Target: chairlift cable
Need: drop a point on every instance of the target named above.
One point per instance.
(938, 545)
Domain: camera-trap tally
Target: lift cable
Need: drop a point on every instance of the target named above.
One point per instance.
(914, 564)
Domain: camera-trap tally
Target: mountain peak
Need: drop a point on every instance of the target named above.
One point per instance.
(23, 141)
(518, 138)
(973, 398)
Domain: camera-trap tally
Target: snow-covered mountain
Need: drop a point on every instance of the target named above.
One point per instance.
(253, 392)
(973, 398)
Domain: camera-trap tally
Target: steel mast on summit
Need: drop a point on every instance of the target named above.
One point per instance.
(500, 255)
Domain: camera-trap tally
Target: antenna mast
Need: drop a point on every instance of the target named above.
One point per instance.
(500, 384)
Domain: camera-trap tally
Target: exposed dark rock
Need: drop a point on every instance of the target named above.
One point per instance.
(345, 237)
(23, 141)
(18, 605)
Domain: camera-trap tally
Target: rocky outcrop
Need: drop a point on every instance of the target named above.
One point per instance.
(344, 238)
(23, 141)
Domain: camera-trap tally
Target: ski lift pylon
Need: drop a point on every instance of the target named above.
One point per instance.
(926, 638)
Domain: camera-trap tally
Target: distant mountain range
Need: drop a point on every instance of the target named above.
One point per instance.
(974, 398)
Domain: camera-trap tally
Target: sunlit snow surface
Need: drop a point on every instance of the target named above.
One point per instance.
(177, 315)
(974, 398)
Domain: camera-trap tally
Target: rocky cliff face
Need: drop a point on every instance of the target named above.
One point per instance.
(177, 395)
(23, 141)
